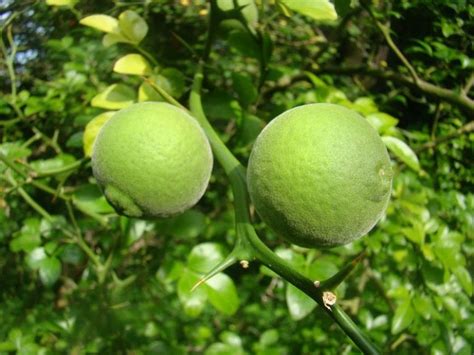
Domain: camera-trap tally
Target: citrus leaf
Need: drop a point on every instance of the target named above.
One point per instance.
(111, 38)
(114, 97)
(222, 294)
(381, 121)
(49, 271)
(316, 9)
(61, 2)
(464, 279)
(402, 151)
(192, 301)
(403, 317)
(35, 258)
(102, 23)
(133, 64)
(299, 304)
(28, 238)
(205, 256)
(92, 130)
(132, 26)
(244, 88)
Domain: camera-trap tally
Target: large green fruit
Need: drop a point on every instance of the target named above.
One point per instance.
(319, 175)
(152, 160)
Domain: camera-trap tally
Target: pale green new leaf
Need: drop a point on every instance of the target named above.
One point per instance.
(133, 26)
(133, 64)
(402, 151)
(115, 97)
(102, 23)
(112, 38)
(61, 2)
(317, 9)
(92, 130)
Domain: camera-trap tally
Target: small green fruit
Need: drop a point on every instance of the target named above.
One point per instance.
(319, 175)
(152, 159)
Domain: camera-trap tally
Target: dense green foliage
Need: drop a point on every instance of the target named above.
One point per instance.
(76, 277)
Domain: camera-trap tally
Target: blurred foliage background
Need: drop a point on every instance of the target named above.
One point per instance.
(75, 277)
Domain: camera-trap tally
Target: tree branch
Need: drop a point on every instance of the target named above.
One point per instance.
(451, 96)
(467, 128)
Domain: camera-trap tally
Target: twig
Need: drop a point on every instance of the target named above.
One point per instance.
(388, 38)
(467, 128)
(451, 96)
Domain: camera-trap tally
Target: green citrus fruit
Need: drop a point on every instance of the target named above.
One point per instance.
(319, 175)
(152, 159)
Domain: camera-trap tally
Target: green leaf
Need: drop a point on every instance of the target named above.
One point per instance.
(222, 294)
(244, 88)
(299, 304)
(403, 317)
(35, 258)
(132, 26)
(205, 256)
(88, 197)
(316, 9)
(244, 43)
(49, 271)
(69, 3)
(187, 225)
(382, 122)
(45, 166)
(464, 278)
(402, 151)
(92, 130)
(133, 64)
(416, 233)
(192, 301)
(224, 349)
(102, 23)
(169, 79)
(114, 97)
(365, 105)
(28, 238)
(269, 337)
(111, 38)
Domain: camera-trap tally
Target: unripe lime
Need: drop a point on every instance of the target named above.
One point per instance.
(319, 175)
(152, 160)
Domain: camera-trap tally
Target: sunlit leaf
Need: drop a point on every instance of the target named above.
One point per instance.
(403, 317)
(299, 304)
(402, 151)
(49, 271)
(132, 26)
(134, 64)
(205, 256)
(114, 97)
(316, 9)
(92, 130)
(102, 23)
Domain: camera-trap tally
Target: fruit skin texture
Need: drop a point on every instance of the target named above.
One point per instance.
(319, 175)
(152, 159)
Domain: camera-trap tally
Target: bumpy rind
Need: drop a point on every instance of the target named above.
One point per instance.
(152, 160)
(319, 175)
